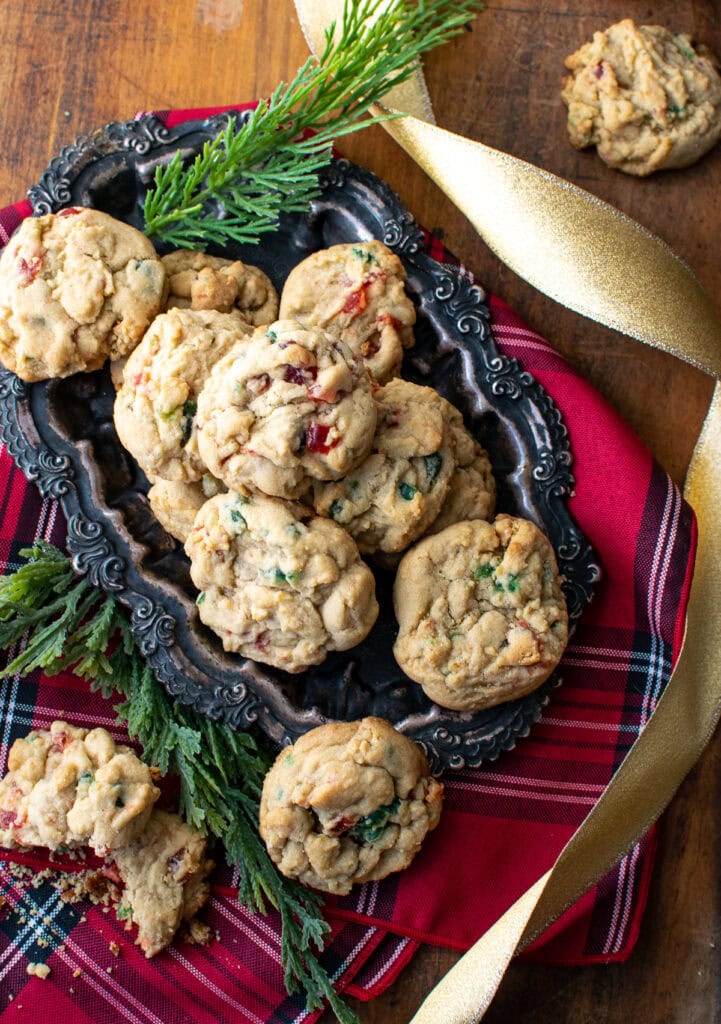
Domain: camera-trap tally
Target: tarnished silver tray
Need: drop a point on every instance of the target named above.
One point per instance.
(61, 434)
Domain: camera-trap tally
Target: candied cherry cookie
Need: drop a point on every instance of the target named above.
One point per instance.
(349, 802)
(481, 613)
(76, 288)
(199, 281)
(278, 584)
(472, 491)
(646, 98)
(356, 291)
(293, 405)
(68, 786)
(396, 493)
(155, 408)
(164, 876)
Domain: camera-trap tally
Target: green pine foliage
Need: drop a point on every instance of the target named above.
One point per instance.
(67, 624)
(241, 182)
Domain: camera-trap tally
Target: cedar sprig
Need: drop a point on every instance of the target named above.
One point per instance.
(68, 624)
(238, 185)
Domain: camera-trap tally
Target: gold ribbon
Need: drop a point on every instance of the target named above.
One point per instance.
(580, 251)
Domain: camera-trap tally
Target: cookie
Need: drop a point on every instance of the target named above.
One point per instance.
(278, 585)
(155, 408)
(645, 97)
(357, 292)
(199, 281)
(349, 802)
(472, 490)
(76, 288)
(292, 406)
(175, 504)
(164, 875)
(481, 613)
(73, 787)
(395, 494)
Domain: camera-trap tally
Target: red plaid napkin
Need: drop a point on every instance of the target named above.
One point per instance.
(503, 825)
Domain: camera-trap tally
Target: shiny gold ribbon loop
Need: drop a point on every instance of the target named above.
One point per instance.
(593, 259)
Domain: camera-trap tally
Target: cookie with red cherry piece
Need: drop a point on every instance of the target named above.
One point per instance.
(356, 291)
(294, 405)
(647, 98)
(76, 288)
(349, 802)
(481, 613)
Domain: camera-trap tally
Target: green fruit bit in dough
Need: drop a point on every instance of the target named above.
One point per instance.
(166, 414)
(186, 424)
(237, 517)
(483, 572)
(372, 827)
(279, 577)
(336, 507)
(86, 777)
(200, 598)
(272, 336)
(123, 912)
(433, 464)
(512, 584)
(406, 491)
(363, 256)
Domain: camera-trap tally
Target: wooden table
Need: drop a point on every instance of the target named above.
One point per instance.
(70, 67)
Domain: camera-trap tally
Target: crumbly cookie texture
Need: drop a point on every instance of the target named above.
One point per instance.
(645, 97)
(348, 802)
(357, 292)
(155, 409)
(199, 281)
(293, 405)
(472, 490)
(175, 504)
(481, 613)
(73, 787)
(76, 288)
(396, 493)
(164, 875)
(278, 585)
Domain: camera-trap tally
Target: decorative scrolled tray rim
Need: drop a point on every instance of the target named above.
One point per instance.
(60, 433)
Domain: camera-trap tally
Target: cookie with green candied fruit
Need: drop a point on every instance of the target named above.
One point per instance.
(349, 802)
(155, 409)
(355, 291)
(393, 497)
(481, 613)
(278, 584)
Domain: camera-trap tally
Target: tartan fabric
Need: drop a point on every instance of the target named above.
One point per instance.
(503, 825)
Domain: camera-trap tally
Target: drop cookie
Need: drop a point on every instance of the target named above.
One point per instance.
(481, 613)
(395, 494)
(278, 585)
(349, 802)
(68, 786)
(76, 288)
(155, 409)
(199, 281)
(646, 98)
(357, 292)
(292, 406)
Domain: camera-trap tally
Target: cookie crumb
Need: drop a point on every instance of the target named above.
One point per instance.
(77, 972)
(114, 949)
(38, 970)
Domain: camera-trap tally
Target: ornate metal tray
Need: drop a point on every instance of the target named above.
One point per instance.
(61, 434)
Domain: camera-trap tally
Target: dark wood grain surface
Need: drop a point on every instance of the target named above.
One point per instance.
(69, 67)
